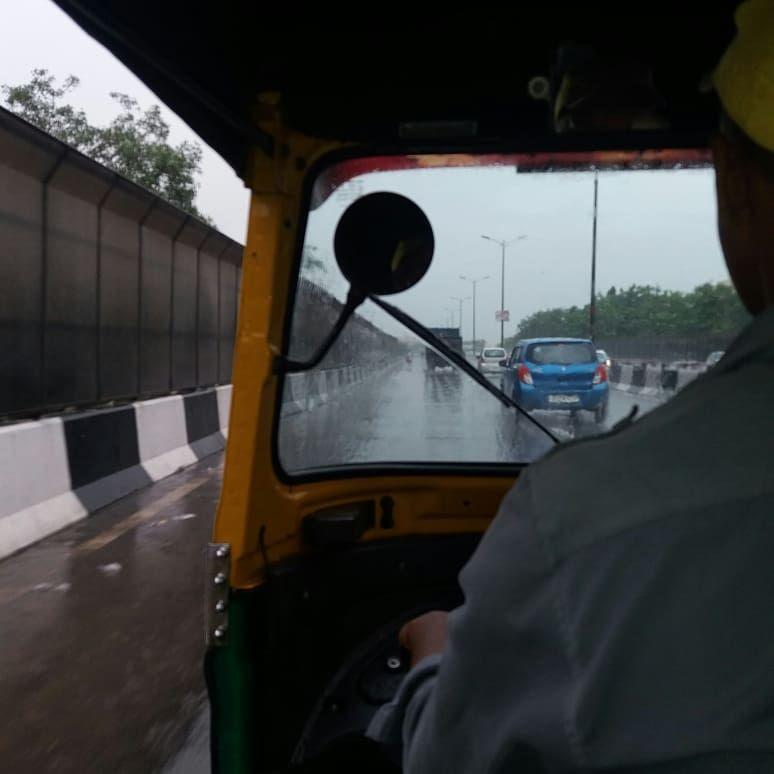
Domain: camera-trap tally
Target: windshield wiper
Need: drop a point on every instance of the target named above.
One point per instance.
(454, 357)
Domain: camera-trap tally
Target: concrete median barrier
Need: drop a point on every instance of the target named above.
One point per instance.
(36, 498)
(625, 378)
(58, 470)
(294, 394)
(103, 455)
(163, 436)
(652, 379)
(307, 391)
(202, 421)
(638, 377)
(224, 406)
(652, 383)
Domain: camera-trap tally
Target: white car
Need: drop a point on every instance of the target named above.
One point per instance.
(489, 360)
(603, 357)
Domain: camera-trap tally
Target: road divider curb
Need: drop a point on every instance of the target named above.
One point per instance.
(306, 391)
(651, 379)
(58, 470)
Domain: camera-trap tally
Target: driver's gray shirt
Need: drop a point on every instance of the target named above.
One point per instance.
(620, 608)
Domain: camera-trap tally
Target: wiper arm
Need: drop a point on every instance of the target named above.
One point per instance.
(429, 338)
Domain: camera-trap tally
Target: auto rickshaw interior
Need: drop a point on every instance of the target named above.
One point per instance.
(347, 131)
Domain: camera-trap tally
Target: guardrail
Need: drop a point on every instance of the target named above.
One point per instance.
(306, 391)
(653, 379)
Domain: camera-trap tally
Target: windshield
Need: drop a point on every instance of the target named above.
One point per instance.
(662, 302)
(560, 353)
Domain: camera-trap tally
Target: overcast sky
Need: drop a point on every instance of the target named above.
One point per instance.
(654, 227)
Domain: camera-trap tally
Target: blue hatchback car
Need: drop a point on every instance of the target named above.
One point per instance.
(557, 374)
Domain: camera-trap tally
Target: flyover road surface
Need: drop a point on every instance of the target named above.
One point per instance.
(101, 625)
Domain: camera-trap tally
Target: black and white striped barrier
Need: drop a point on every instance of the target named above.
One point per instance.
(306, 391)
(651, 380)
(58, 470)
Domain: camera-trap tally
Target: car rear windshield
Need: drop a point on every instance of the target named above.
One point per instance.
(494, 353)
(561, 353)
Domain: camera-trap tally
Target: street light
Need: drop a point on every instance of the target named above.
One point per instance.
(593, 301)
(456, 298)
(503, 244)
(474, 281)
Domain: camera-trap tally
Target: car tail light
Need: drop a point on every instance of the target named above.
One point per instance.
(525, 377)
(600, 375)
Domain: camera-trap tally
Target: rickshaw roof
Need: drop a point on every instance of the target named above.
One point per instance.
(360, 76)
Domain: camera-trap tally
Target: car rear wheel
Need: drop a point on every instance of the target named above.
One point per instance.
(600, 414)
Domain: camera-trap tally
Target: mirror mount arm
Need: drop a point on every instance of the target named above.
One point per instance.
(284, 365)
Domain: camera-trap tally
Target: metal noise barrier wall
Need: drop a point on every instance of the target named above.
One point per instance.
(664, 349)
(107, 293)
(361, 342)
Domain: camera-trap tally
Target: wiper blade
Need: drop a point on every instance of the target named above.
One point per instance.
(430, 338)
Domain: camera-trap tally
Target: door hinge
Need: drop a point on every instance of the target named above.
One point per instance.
(217, 594)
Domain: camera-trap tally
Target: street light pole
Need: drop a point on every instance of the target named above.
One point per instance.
(474, 281)
(503, 244)
(593, 301)
(460, 300)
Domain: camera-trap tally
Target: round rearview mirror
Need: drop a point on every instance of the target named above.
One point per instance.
(384, 244)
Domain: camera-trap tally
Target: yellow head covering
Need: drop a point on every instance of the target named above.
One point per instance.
(744, 79)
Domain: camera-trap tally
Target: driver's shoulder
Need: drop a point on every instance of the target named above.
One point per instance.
(667, 462)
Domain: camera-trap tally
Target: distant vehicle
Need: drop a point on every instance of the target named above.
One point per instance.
(603, 357)
(557, 374)
(489, 360)
(714, 357)
(451, 337)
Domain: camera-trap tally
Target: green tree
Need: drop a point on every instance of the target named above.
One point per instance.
(644, 310)
(716, 309)
(134, 144)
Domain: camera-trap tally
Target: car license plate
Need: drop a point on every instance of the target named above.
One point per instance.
(563, 399)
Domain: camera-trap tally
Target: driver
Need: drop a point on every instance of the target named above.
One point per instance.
(620, 609)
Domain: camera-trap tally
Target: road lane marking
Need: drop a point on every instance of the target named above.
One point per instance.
(10, 593)
(141, 516)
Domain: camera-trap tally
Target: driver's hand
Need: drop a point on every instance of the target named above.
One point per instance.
(425, 635)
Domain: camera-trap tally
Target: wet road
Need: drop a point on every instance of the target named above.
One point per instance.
(102, 624)
(102, 634)
(407, 414)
